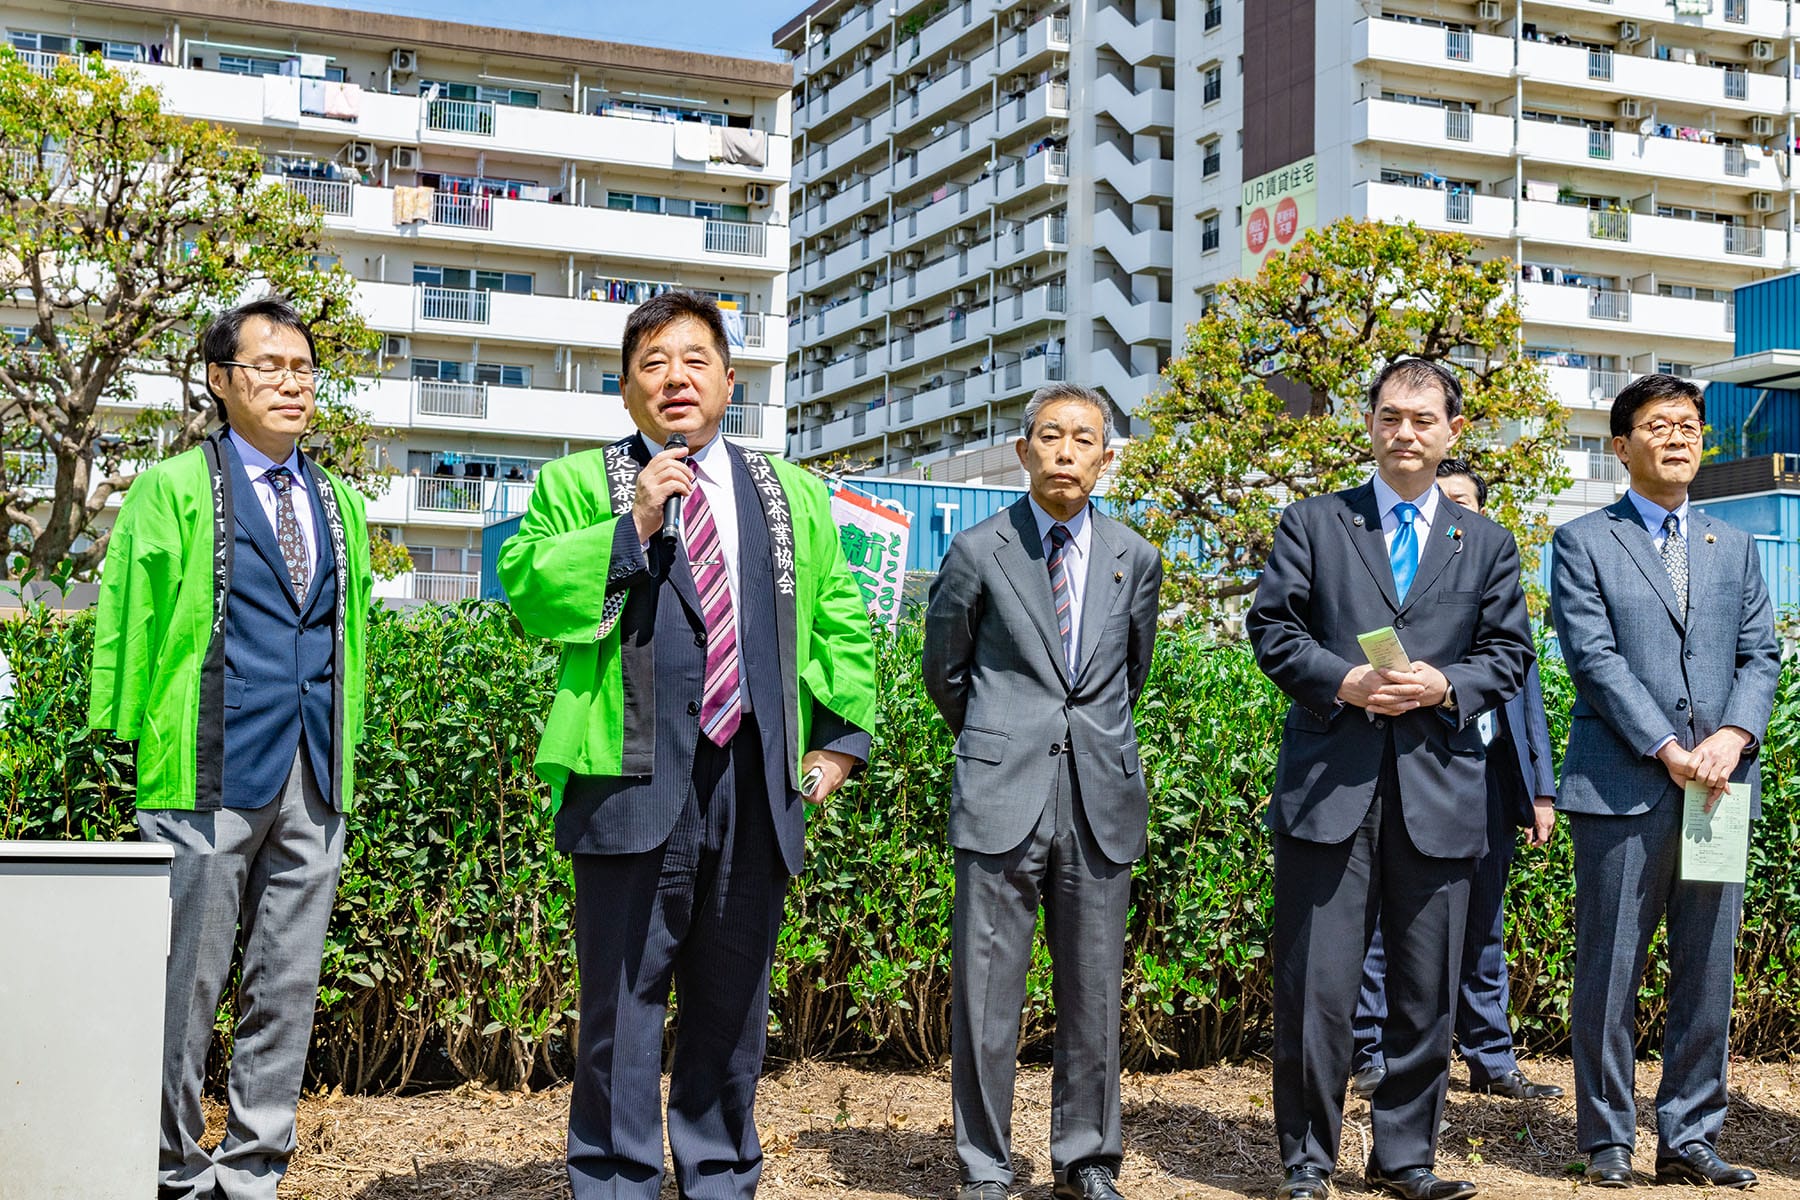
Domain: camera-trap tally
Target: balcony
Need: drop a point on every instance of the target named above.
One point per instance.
(1651, 78)
(1427, 46)
(436, 398)
(737, 237)
(454, 304)
(1643, 234)
(475, 117)
(463, 212)
(1435, 208)
(1766, 19)
(444, 587)
(1428, 126)
(1665, 317)
(742, 421)
(333, 197)
(1644, 154)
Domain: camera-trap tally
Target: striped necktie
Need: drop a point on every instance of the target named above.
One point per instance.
(1060, 591)
(721, 707)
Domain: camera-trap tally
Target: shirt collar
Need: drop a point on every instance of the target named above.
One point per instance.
(1077, 525)
(1386, 497)
(257, 464)
(1653, 514)
(710, 462)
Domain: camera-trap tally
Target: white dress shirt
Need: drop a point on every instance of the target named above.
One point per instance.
(1386, 498)
(1075, 561)
(257, 465)
(1653, 515)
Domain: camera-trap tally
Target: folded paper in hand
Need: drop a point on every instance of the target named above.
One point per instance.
(1383, 648)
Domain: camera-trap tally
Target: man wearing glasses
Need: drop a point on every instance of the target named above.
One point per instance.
(229, 645)
(1666, 626)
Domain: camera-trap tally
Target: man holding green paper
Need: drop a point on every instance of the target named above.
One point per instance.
(1665, 623)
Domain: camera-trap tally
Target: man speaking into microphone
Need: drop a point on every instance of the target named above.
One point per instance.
(716, 653)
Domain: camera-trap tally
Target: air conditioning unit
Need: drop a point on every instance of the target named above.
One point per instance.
(1016, 84)
(865, 279)
(962, 237)
(1762, 202)
(1016, 276)
(1762, 127)
(914, 316)
(1629, 32)
(404, 62)
(360, 154)
(1016, 19)
(962, 296)
(960, 425)
(910, 438)
(828, 188)
(820, 354)
(756, 193)
(396, 346)
(912, 260)
(865, 337)
(819, 410)
(404, 158)
(1762, 51)
(1487, 10)
(1631, 109)
(869, 223)
(865, 56)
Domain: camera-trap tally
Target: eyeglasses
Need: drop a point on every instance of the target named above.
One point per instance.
(271, 374)
(1661, 430)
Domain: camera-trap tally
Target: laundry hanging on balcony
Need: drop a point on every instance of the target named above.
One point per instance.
(693, 141)
(281, 99)
(412, 205)
(748, 147)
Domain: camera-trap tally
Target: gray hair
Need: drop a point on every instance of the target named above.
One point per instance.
(1050, 393)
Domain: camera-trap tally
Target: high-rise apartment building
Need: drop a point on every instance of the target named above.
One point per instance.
(504, 199)
(984, 202)
(1631, 156)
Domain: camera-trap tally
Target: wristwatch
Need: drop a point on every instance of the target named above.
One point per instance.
(1448, 703)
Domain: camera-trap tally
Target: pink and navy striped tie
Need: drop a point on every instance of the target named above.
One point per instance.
(1060, 592)
(721, 707)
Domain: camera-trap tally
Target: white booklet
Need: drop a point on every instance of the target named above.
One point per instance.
(1716, 844)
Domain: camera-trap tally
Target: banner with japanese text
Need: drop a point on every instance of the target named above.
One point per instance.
(1278, 207)
(874, 538)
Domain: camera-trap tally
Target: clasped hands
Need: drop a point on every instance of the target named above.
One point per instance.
(1390, 693)
(1710, 763)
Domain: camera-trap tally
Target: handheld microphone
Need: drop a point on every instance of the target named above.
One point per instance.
(671, 525)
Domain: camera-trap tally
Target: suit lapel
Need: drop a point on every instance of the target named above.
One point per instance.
(1701, 556)
(1021, 559)
(1362, 522)
(1104, 588)
(1437, 551)
(249, 515)
(1628, 527)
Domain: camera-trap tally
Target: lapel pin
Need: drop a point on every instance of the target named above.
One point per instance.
(1454, 534)
(1118, 577)
(1356, 521)
(1710, 539)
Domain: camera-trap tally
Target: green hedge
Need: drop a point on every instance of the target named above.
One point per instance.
(450, 953)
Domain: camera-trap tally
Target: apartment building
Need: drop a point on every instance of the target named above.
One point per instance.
(983, 202)
(504, 199)
(1631, 156)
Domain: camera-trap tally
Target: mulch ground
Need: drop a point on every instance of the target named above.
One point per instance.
(850, 1133)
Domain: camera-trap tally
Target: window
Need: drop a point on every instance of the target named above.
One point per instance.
(446, 370)
(1215, 15)
(1209, 233)
(610, 383)
(1209, 158)
(1209, 297)
(1212, 83)
(54, 43)
(1685, 370)
(517, 97)
(470, 279)
(675, 206)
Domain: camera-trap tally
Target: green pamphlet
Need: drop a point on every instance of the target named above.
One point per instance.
(1383, 648)
(1714, 845)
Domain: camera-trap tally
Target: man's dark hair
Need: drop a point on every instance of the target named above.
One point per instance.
(1456, 466)
(1417, 374)
(1651, 389)
(658, 311)
(219, 342)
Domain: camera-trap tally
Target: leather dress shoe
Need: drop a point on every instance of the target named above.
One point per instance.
(1697, 1162)
(1514, 1086)
(1304, 1183)
(1090, 1181)
(1609, 1166)
(1418, 1183)
(986, 1190)
(1365, 1081)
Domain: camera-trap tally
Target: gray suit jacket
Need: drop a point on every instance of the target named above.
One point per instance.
(994, 667)
(1641, 672)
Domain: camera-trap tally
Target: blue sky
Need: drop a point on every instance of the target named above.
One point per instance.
(740, 27)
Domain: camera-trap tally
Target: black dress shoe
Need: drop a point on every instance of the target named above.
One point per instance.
(1610, 1167)
(1418, 1183)
(1514, 1086)
(1365, 1081)
(1697, 1162)
(1304, 1183)
(986, 1190)
(1090, 1181)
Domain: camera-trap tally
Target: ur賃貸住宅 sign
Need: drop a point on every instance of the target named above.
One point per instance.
(1278, 207)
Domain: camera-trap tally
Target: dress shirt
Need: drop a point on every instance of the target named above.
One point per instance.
(1653, 515)
(1386, 498)
(1075, 561)
(257, 465)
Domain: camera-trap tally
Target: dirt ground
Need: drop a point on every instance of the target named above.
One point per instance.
(854, 1134)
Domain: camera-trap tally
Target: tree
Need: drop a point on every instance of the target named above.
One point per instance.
(123, 230)
(1267, 404)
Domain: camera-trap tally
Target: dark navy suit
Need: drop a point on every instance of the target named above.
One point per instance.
(680, 876)
(1483, 1031)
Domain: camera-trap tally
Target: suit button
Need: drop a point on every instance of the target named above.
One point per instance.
(699, 639)
(1381, 722)
(305, 686)
(693, 708)
(1690, 654)
(1056, 748)
(1681, 703)
(1399, 622)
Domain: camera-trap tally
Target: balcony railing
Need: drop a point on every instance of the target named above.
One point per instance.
(444, 587)
(1059, 95)
(742, 420)
(1058, 166)
(330, 196)
(1215, 15)
(1735, 161)
(1744, 239)
(1059, 31)
(736, 237)
(1737, 84)
(1610, 225)
(469, 212)
(1600, 64)
(1605, 467)
(461, 116)
(1209, 165)
(436, 398)
(447, 493)
(1459, 207)
(1459, 124)
(453, 304)
(1609, 304)
(1600, 143)
(1737, 11)
(1603, 385)
(1459, 45)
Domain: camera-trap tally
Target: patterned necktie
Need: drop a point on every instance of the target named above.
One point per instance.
(287, 529)
(1061, 592)
(1674, 557)
(721, 705)
(1403, 555)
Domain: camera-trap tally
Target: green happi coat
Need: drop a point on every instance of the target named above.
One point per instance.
(159, 634)
(556, 568)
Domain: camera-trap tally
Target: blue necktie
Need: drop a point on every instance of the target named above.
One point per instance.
(1403, 555)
